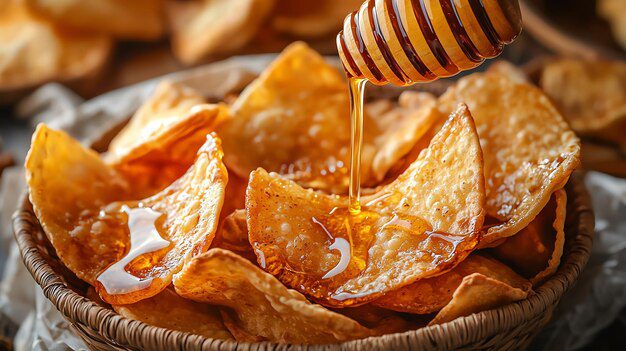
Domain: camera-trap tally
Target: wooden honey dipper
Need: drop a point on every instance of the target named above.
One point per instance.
(404, 42)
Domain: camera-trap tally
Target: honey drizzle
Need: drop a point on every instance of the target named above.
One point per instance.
(357, 92)
(353, 222)
(144, 239)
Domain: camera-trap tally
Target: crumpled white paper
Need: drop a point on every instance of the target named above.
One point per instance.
(594, 303)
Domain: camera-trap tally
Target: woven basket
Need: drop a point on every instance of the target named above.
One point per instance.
(506, 328)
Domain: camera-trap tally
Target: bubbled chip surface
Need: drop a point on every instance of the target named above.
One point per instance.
(529, 150)
(420, 225)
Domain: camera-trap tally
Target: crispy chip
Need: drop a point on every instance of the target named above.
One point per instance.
(166, 105)
(396, 127)
(168, 149)
(70, 188)
(380, 320)
(170, 311)
(65, 179)
(161, 141)
(259, 307)
(431, 295)
(598, 110)
(509, 70)
(536, 251)
(312, 18)
(529, 149)
(294, 120)
(204, 27)
(232, 235)
(35, 50)
(235, 195)
(478, 293)
(559, 241)
(136, 19)
(421, 225)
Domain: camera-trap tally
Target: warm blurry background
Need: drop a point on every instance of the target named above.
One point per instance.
(98, 45)
(95, 46)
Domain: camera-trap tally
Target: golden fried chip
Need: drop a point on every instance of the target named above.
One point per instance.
(168, 149)
(34, 50)
(65, 179)
(170, 311)
(597, 110)
(161, 141)
(190, 209)
(72, 193)
(166, 105)
(312, 18)
(536, 251)
(529, 149)
(478, 293)
(419, 226)
(294, 120)
(232, 235)
(432, 294)
(136, 19)
(235, 195)
(380, 320)
(509, 70)
(259, 307)
(394, 129)
(201, 28)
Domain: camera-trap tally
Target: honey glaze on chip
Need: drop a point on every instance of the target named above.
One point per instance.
(68, 183)
(144, 239)
(419, 225)
(164, 231)
(352, 235)
(83, 207)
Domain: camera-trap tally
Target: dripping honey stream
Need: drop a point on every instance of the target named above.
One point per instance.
(357, 92)
(367, 52)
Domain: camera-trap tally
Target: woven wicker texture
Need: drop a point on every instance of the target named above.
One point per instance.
(506, 328)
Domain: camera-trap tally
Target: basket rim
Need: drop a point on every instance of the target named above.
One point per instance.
(78, 308)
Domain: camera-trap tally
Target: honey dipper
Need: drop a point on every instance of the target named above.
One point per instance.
(403, 42)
